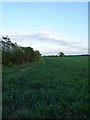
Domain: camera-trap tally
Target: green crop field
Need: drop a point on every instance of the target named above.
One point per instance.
(55, 87)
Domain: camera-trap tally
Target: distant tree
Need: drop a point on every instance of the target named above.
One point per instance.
(61, 54)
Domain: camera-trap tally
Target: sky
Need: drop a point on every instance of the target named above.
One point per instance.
(49, 27)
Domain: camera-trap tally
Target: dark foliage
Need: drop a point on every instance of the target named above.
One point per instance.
(61, 54)
(14, 54)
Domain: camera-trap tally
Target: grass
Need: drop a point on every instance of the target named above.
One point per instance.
(57, 87)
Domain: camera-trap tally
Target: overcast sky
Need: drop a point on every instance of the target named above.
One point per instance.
(48, 27)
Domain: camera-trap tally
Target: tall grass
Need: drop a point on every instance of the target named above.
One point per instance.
(57, 87)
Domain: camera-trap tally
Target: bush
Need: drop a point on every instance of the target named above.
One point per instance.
(14, 54)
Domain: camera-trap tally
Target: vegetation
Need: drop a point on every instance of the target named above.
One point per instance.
(56, 87)
(61, 54)
(14, 54)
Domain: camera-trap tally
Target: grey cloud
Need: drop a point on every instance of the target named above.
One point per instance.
(84, 48)
(42, 37)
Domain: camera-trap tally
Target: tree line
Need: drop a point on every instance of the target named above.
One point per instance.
(15, 54)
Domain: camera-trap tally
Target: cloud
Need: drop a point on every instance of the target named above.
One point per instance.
(43, 36)
(48, 42)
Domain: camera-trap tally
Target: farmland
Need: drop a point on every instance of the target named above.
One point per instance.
(55, 87)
